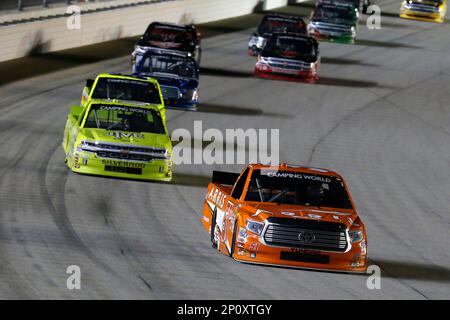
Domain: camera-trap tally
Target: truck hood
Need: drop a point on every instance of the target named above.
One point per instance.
(176, 81)
(142, 139)
(266, 210)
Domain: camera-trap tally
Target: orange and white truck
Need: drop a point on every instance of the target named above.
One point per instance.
(286, 216)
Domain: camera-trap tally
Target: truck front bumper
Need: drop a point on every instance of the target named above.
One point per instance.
(89, 163)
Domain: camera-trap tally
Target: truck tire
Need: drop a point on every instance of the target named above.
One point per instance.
(233, 241)
(213, 227)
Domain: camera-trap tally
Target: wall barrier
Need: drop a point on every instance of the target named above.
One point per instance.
(47, 35)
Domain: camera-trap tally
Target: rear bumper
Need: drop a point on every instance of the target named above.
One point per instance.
(88, 163)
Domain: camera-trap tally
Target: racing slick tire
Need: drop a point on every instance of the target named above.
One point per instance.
(213, 227)
(233, 241)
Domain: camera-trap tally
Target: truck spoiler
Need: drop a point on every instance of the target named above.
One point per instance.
(225, 178)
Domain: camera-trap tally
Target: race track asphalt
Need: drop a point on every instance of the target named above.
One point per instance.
(379, 115)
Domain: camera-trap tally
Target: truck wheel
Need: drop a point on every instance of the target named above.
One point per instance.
(213, 227)
(233, 242)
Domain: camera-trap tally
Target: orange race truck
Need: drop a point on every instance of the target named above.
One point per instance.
(286, 216)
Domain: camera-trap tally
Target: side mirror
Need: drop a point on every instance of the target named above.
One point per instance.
(75, 111)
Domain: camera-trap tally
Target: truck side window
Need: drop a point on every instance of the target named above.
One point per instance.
(89, 83)
(239, 186)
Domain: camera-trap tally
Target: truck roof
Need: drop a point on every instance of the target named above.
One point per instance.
(127, 77)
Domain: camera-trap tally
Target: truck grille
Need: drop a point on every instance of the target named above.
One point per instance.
(288, 64)
(124, 156)
(124, 152)
(306, 234)
(334, 29)
(169, 92)
(416, 7)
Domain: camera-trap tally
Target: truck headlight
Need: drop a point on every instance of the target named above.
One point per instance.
(190, 94)
(355, 235)
(167, 155)
(255, 227)
(256, 41)
(262, 63)
(88, 146)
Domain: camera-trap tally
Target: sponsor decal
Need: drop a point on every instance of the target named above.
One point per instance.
(128, 81)
(242, 235)
(76, 160)
(119, 135)
(293, 175)
(305, 251)
(217, 197)
(118, 163)
(227, 220)
(125, 109)
(242, 252)
(254, 246)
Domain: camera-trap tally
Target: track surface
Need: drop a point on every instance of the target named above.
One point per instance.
(379, 115)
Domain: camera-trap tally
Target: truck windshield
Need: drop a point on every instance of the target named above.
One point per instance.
(270, 25)
(330, 12)
(172, 65)
(291, 47)
(115, 117)
(163, 33)
(297, 188)
(126, 89)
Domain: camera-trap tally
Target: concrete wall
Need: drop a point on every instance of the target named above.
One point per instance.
(275, 4)
(51, 35)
